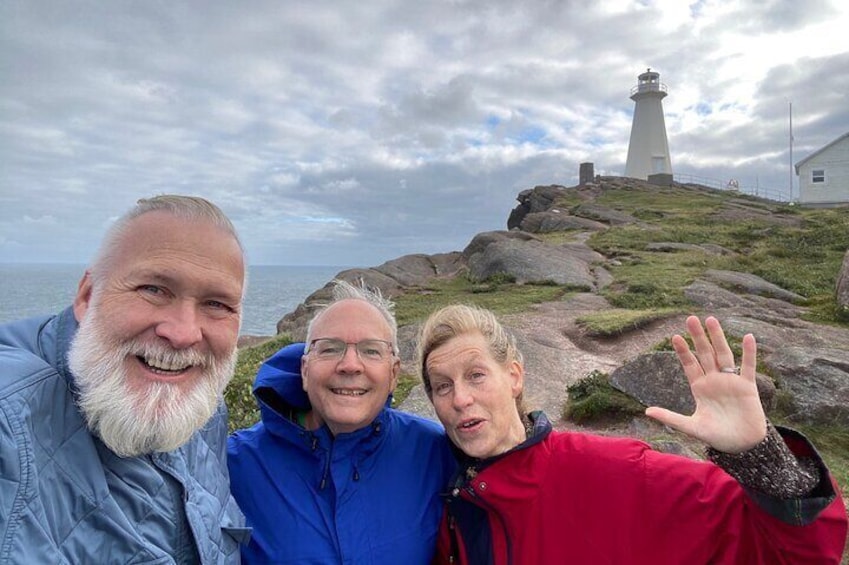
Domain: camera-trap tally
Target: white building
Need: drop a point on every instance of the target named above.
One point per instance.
(648, 149)
(824, 174)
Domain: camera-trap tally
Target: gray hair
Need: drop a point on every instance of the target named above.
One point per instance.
(190, 208)
(343, 290)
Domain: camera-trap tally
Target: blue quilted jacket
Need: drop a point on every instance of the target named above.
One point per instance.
(366, 497)
(66, 498)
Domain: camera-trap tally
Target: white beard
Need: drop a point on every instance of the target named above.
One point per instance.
(158, 417)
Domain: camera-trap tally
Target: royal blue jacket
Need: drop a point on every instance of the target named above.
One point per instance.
(66, 498)
(370, 496)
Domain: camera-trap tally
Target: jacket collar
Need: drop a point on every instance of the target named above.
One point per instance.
(471, 466)
(54, 340)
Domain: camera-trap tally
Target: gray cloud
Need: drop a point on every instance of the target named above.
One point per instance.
(352, 133)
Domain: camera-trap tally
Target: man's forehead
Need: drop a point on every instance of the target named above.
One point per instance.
(350, 311)
(163, 244)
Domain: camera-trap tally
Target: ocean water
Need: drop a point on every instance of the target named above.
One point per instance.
(273, 291)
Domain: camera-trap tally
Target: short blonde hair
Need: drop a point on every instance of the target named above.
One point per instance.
(461, 319)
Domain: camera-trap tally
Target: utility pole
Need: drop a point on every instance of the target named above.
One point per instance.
(791, 152)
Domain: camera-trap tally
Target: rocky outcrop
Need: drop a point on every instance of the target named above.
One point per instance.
(656, 379)
(391, 278)
(751, 284)
(807, 363)
(538, 199)
(554, 220)
(817, 380)
(530, 262)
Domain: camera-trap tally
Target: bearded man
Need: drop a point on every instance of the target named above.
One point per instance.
(112, 425)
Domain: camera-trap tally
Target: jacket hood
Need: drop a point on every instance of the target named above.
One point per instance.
(282, 374)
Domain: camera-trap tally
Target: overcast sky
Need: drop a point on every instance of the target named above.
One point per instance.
(351, 133)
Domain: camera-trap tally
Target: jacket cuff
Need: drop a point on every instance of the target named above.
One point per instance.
(783, 474)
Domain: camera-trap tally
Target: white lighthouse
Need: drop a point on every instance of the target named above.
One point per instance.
(648, 150)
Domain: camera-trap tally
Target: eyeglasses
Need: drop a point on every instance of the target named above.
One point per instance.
(332, 349)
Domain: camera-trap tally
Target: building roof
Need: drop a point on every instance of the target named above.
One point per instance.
(820, 150)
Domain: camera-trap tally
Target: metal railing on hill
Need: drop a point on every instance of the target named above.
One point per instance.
(734, 185)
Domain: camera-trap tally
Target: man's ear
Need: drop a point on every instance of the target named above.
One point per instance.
(83, 298)
(304, 373)
(396, 370)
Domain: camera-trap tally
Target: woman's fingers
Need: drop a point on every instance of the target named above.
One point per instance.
(702, 345)
(689, 362)
(722, 352)
(748, 365)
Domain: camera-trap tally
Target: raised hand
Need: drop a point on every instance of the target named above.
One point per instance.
(728, 416)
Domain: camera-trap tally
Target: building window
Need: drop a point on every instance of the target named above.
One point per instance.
(818, 175)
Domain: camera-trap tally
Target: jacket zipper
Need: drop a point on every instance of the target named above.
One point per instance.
(475, 498)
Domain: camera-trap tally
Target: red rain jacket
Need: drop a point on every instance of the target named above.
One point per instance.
(581, 499)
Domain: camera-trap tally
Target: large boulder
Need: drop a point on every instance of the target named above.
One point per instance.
(711, 298)
(818, 381)
(657, 379)
(392, 278)
(484, 239)
(538, 199)
(530, 262)
(418, 269)
(751, 284)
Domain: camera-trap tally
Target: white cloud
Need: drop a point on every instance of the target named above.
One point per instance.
(352, 133)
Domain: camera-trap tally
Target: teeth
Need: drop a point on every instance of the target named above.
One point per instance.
(469, 424)
(165, 365)
(348, 392)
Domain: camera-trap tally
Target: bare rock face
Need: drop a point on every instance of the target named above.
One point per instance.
(416, 270)
(554, 220)
(538, 199)
(391, 278)
(752, 284)
(712, 297)
(657, 379)
(817, 379)
(842, 289)
(482, 240)
(530, 262)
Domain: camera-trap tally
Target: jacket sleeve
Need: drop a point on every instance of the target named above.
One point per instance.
(705, 515)
(783, 474)
(23, 537)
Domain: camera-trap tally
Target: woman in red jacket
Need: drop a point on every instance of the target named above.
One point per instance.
(526, 494)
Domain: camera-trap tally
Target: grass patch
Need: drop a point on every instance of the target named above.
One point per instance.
(804, 259)
(239, 393)
(593, 400)
(406, 383)
(498, 294)
(610, 323)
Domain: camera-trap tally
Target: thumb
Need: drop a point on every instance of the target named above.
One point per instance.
(669, 418)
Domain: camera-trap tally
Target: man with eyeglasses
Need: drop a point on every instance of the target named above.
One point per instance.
(332, 474)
